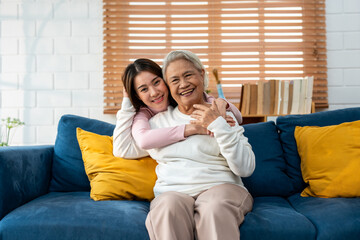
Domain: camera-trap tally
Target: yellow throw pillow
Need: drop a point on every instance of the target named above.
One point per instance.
(330, 159)
(112, 177)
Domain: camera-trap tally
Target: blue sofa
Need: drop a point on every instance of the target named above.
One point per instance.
(45, 191)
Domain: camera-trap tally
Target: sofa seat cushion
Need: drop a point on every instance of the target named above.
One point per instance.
(287, 124)
(74, 215)
(274, 218)
(334, 218)
(68, 172)
(269, 177)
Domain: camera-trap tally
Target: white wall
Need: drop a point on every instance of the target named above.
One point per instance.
(343, 44)
(51, 62)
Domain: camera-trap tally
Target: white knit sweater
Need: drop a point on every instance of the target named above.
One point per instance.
(201, 161)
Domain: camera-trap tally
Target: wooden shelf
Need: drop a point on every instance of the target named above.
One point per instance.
(263, 118)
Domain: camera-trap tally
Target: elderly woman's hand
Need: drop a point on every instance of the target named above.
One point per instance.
(222, 105)
(205, 115)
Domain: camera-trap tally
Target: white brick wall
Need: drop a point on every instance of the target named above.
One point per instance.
(51, 62)
(12, 27)
(351, 6)
(343, 43)
(74, 45)
(18, 99)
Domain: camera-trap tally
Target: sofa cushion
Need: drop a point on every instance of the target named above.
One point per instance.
(269, 177)
(330, 159)
(74, 215)
(286, 126)
(113, 177)
(334, 218)
(68, 173)
(274, 218)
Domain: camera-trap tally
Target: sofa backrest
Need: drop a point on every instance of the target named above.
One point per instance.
(286, 126)
(277, 171)
(269, 177)
(68, 172)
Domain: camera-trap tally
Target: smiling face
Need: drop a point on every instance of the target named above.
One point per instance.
(151, 89)
(186, 84)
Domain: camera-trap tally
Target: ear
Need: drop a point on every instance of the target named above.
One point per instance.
(202, 72)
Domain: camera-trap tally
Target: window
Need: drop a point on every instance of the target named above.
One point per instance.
(245, 40)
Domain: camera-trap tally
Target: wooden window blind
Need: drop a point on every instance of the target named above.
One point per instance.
(245, 40)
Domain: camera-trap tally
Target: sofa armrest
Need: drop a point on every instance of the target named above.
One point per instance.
(25, 174)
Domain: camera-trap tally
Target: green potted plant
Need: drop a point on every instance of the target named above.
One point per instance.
(7, 124)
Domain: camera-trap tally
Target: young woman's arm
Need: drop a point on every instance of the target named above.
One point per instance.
(123, 143)
(148, 138)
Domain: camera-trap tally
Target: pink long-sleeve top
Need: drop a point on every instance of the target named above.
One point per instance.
(147, 138)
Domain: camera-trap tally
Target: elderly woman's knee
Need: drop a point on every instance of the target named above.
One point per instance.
(213, 205)
(173, 201)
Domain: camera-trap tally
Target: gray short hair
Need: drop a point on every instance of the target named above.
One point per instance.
(188, 56)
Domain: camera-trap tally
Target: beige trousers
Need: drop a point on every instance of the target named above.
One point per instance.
(214, 214)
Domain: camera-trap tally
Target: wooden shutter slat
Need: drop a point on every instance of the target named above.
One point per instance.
(221, 19)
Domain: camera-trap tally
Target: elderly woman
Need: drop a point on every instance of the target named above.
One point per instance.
(199, 192)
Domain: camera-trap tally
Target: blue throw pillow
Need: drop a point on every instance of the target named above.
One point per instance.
(269, 177)
(286, 126)
(68, 172)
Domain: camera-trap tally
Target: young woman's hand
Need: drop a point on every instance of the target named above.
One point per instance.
(125, 93)
(193, 129)
(230, 120)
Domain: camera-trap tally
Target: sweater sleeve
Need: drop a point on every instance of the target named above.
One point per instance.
(148, 138)
(234, 146)
(123, 143)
